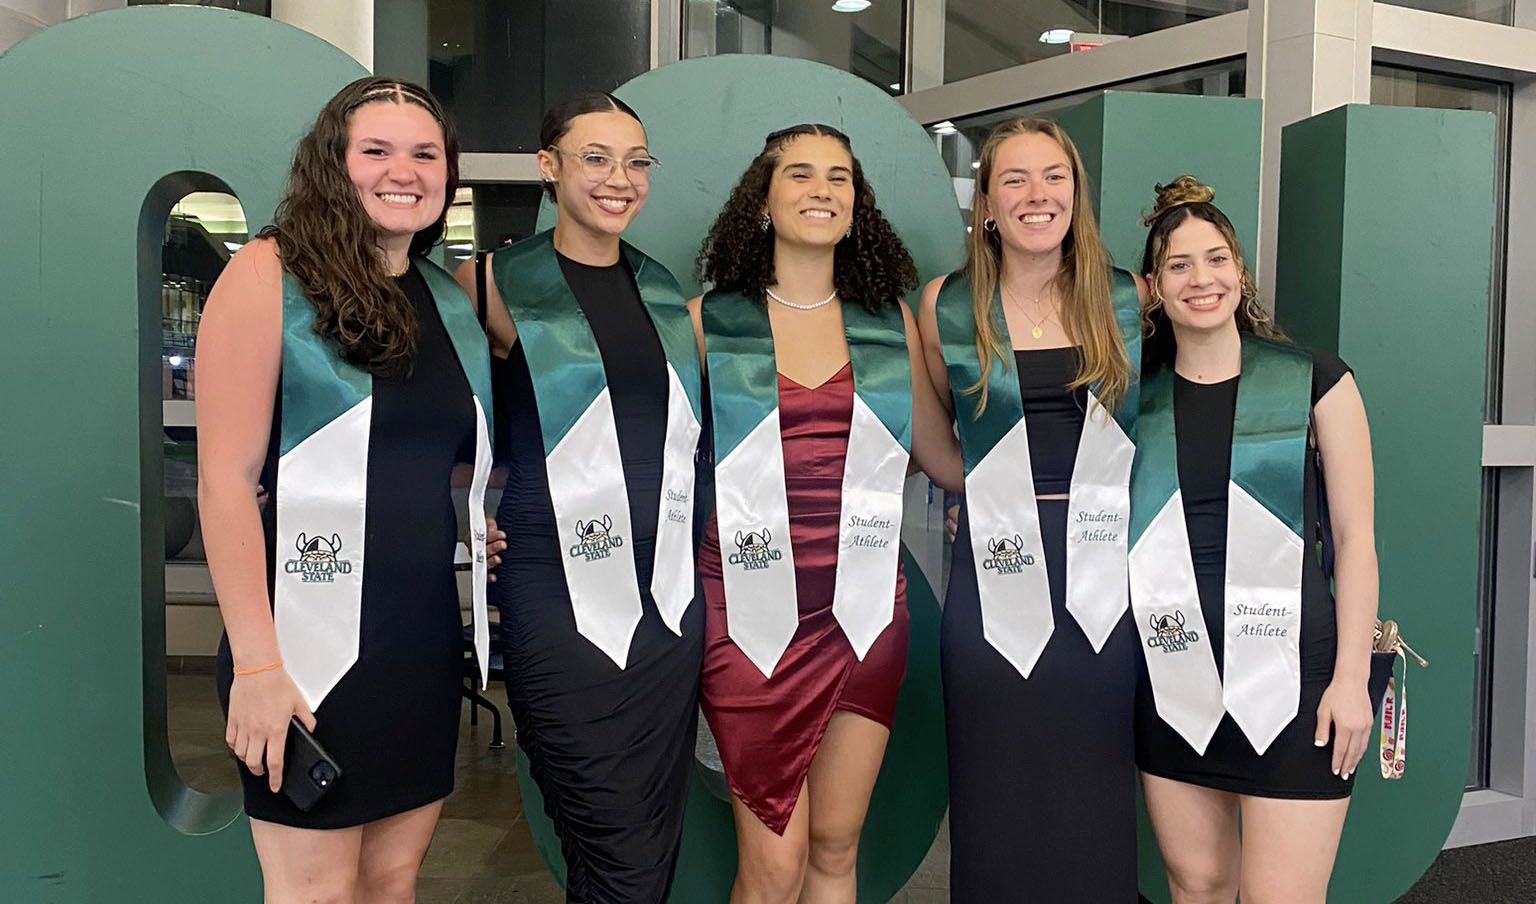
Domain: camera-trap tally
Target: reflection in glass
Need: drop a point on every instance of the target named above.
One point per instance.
(863, 38)
(498, 64)
(982, 36)
(203, 229)
(1402, 87)
(1499, 12)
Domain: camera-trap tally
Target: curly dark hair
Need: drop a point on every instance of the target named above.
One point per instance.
(871, 265)
(329, 243)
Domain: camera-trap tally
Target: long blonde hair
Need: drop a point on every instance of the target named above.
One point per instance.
(1087, 314)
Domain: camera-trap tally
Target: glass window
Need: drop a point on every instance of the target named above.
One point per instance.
(258, 7)
(204, 228)
(1499, 12)
(202, 231)
(960, 140)
(863, 37)
(497, 64)
(983, 36)
(1403, 87)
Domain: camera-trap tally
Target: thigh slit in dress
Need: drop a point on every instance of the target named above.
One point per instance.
(769, 729)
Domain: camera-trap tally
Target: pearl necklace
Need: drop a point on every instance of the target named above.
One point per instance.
(802, 307)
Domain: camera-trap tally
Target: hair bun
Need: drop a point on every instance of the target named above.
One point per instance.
(1183, 190)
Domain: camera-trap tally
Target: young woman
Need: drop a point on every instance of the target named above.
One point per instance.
(1032, 346)
(343, 370)
(602, 646)
(1254, 702)
(818, 396)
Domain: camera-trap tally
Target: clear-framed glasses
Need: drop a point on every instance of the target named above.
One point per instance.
(597, 166)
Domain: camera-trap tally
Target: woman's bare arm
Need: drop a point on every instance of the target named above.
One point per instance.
(499, 327)
(239, 357)
(934, 447)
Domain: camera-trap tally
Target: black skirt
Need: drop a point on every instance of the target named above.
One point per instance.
(1042, 775)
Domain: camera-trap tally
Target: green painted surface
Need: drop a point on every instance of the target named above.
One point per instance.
(108, 119)
(1130, 142)
(706, 119)
(1386, 225)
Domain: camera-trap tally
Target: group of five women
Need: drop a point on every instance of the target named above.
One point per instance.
(1140, 458)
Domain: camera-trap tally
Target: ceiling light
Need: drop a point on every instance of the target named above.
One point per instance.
(850, 6)
(175, 360)
(234, 246)
(944, 128)
(462, 246)
(895, 86)
(1056, 36)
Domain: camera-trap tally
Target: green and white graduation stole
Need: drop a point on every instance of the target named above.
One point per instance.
(581, 444)
(1006, 544)
(322, 486)
(751, 505)
(1261, 684)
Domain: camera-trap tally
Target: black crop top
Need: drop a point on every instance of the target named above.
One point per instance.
(1053, 417)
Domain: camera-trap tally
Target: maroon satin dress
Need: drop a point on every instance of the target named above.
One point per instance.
(768, 729)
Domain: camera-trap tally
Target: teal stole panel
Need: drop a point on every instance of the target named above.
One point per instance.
(581, 448)
(751, 506)
(322, 481)
(1261, 680)
(1006, 544)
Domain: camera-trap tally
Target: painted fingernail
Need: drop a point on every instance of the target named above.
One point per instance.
(1319, 742)
(1335, 770)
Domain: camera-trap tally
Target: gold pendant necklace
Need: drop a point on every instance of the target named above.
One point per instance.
(1038, 326)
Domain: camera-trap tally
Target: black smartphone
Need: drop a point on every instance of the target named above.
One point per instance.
(308, 771)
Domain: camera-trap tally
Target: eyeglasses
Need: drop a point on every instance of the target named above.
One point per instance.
(598, 166)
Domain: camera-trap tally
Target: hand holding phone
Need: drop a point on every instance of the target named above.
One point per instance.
(308, 771)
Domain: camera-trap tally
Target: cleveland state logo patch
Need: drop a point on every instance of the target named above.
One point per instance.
(1008, 555)
(1169, 634)
(753, 550)
(319, 559)
(595, 539)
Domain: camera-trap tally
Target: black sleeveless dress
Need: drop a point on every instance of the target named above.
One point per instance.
(392, 722)
(1042, 773)
(1292, 767)
(611, 749)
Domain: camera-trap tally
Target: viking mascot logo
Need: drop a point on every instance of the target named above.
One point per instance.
(595, 539)
(1168, 633)
(753, 551)
(1008, 555)
(319, 559)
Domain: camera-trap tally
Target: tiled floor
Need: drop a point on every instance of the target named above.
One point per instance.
(482, 852)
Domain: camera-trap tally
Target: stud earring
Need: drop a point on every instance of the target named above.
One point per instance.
(767, 222)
